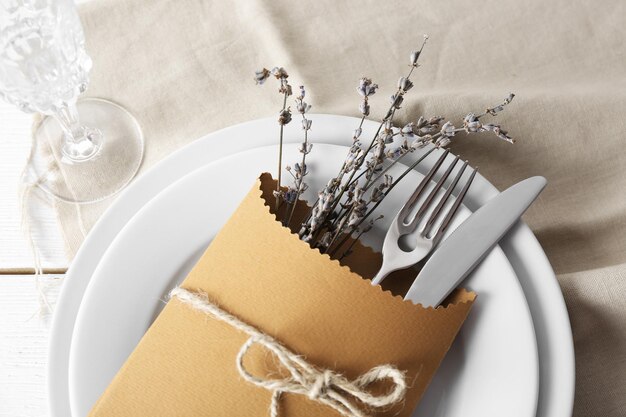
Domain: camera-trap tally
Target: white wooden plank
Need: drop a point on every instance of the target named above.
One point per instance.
(15, 140)
(24, 344)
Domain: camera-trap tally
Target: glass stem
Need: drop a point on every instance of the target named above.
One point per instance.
(67, 116)
(82, 143)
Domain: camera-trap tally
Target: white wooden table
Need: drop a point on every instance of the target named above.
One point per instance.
(24, 326)
(24, 330)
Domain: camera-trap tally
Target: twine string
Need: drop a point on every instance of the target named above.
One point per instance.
(28, 185)
(323, 385)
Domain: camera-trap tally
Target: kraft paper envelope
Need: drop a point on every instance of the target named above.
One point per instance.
(259, 271)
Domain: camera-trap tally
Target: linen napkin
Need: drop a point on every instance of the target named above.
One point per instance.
(184, 69)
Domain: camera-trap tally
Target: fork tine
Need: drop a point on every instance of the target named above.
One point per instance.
(453, 210)
(435, 214)
(410, 203)
(427, 203)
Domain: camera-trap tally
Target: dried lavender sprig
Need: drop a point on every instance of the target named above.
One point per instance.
(497, 109)
(439, 139)
(337, 199)
(447, 132)
(335, 180)
(343, 211)
(357, 211)
(410, 168)
(363, 172)
(404, 85)
(284, 117)
(418, 143)
(366, 88)
(359, 208)
(306, 147)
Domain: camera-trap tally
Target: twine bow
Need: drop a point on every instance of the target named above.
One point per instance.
(323, 385)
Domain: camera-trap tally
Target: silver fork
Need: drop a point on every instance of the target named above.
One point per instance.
(394, 257)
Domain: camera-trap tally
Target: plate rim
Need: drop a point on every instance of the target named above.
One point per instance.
(196, 153)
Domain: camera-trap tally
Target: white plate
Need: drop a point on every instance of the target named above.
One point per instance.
(555, 346)
(495, 356)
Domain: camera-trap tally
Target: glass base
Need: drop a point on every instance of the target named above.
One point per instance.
(94, 170)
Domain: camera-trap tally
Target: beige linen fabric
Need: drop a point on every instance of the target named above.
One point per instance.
(184, 68)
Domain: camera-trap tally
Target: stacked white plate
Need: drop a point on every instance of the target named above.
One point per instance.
(514, 355)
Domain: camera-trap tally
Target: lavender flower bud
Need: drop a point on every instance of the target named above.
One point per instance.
(302, 106)
(355, 218)
(306, 124)
(395, 153)
(357, 133)
(279, 72)
(301, 169)
(350, 161)
(278, 194)
(366, 88)
(284, 116)
(415, 55)
(404, 84)
(504, 135)
(379, 151)
(285, 88)
(500, 133)
(396, 100)
(327, 202)
(497, 109)
(358, 193)
(447, 130)
(377, 195)
(471, 123)
(326, 239)
(364, 107)
(427, 130)
(419, 143)
(442, 142)
(305, 147)
(435, 120)
(408, 129)
(290, 195)
(261, 76)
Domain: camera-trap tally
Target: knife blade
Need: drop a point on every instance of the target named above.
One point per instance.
(468, 245)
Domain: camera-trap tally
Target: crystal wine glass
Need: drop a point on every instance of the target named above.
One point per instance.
(44, 68)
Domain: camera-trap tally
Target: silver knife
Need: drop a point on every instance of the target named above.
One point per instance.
(463, 250)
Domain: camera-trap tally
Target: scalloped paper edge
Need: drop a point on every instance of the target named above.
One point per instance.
(266, 177)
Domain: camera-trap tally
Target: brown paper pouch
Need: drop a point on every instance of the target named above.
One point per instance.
(259, 271)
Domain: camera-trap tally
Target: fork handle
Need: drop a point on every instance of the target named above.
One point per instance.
(380, 275)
